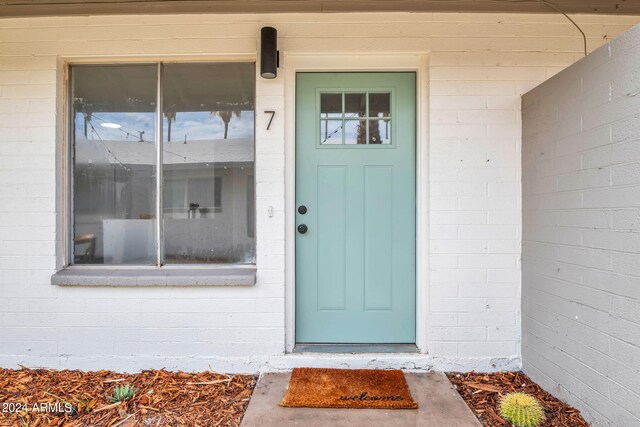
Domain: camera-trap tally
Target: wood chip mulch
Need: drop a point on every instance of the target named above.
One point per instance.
(482, 392)
(164, 398)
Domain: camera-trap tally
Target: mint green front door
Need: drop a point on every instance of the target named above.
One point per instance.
(355, 208)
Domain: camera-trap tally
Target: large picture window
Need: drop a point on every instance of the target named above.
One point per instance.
(172, 143)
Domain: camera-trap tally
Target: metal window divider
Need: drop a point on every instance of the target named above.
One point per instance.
(159, 222)
(68, 173)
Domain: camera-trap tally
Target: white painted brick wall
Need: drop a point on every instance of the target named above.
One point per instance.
(581, 240)
(480, 64)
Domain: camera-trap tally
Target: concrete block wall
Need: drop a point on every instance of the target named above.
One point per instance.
(581, 233)
(478, 66)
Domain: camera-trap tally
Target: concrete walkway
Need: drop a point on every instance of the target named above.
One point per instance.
(439, 404)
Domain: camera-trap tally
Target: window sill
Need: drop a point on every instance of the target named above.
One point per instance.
(105, 276)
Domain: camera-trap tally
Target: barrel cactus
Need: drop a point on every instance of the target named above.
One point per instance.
(522, 410)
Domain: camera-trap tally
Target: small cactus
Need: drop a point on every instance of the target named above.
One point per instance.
(521, 410)
(122, 393)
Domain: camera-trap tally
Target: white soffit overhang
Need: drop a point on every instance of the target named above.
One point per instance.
(18, 8)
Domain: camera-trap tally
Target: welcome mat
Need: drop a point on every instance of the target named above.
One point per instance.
(348, 388)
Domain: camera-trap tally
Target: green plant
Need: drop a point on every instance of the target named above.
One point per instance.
(521, 410)
(122, 393)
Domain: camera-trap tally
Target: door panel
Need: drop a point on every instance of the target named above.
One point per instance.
(355, 173)
(332, 237)
(378, 239)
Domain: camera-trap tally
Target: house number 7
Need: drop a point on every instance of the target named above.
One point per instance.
(273, 114)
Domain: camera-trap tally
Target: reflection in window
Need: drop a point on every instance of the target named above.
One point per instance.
(331, 105)
(379, 105)
(355, 118)
(208, 148)
(380, 132)
(355, 132)
(114, 112)
(331, 131)
(355, 104)
(208, 156)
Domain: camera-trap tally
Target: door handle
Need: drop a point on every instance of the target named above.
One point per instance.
(302, 228)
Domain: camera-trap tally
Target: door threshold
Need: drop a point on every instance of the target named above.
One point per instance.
(355, 348)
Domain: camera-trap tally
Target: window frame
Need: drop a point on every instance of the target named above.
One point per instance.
(344, 91)
(68, 168)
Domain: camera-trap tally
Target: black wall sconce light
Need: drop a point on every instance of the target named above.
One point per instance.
(269, 54)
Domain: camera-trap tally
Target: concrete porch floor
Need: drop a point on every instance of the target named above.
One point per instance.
(439, 404)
